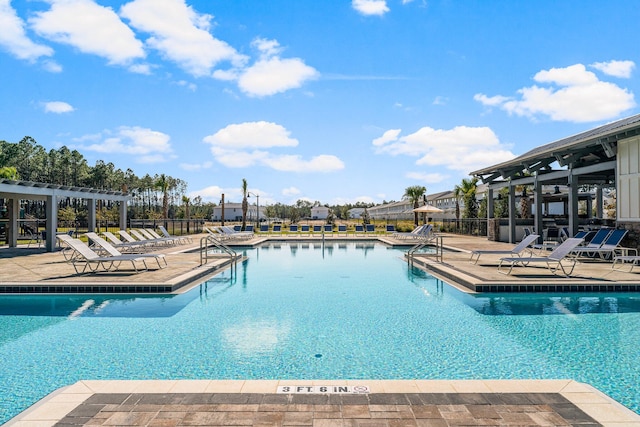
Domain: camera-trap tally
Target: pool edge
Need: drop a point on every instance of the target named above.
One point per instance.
(56, 405)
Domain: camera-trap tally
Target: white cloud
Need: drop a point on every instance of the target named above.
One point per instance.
(295, 163)
(429, 178)
(245, 144)
(52, 66)
(57, 107)
(14, 38)
(461, 148)
(271, 74)
(89, 27)
(490, 101)
(370, 7)
(620, 69)
(180, 34)
(145, 145)
(388, 136)
(574, 94)
(291, 191)
(195, 167)
(252, 135)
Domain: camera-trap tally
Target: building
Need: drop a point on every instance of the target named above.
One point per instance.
(233, 212)
(356, 213)
(606, 158)
(319, 212)
(392, 211)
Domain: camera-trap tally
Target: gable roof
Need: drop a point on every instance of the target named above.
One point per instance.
(583, 149)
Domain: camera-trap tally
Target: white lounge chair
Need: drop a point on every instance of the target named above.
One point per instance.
(553, 261)
(89, 259)
(111, 250)
(170, 239)
(149, 236)
(135, 247)
(516, 250)
(183, 239)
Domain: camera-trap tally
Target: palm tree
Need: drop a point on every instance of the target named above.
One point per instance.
(414, 193)
(467, 190)
(162, 184)
(245, 203)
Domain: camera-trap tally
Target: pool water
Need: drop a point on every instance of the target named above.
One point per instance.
(305, 311)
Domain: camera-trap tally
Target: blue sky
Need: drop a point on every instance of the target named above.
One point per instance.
(334, 101)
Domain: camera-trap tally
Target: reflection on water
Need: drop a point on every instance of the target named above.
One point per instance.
(552, 304)
(256, 337)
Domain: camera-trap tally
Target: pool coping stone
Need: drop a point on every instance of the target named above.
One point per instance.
(78, 403)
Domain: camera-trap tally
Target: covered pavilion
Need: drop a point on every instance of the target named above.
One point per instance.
(14, 191)
(604, 157)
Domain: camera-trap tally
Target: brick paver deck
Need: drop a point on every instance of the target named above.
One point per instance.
(321, 410)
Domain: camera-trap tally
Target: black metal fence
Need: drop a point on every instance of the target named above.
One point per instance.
(471, 227)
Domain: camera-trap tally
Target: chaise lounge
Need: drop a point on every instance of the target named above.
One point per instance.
(553, 261)
(516, 250)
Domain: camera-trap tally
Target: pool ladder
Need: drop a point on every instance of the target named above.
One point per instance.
(432, 240)
(210, 241)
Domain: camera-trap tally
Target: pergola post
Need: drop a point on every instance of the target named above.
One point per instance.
(538, 204)
(52, 222)
(12, 227)
(512, 213)
(572, 203)
(91, 215)
(599, 202)
(123, 215)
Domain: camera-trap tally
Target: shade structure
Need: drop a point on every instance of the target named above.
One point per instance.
(427, 208)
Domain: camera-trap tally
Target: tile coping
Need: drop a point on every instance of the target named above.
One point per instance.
(54, 407)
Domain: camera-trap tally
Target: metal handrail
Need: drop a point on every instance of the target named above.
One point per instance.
(210, 240)
(430, 240)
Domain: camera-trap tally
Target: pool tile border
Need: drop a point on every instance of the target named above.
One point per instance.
(75, 398)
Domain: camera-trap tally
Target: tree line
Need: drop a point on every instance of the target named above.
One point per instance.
(153, 197)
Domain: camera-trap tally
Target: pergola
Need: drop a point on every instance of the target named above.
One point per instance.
(588, 158)
(14, 191)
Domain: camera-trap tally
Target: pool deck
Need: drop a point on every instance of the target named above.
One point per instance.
(31, 270)
(408, 403)
(389, 403)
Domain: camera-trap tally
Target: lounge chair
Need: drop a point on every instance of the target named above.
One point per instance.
(342, 229)
(112, 251)
(264, 228)
(328, 228)
(610, 247)
(225, 232)
(317, 229)
(94, 262)
(152, 235)
(516, 250)
(126, 246)
(170, 239)
(135, 237)
(391, 228)
(277, 228)
(183, 239)
(597, 240)
(420, 232)
(359, 230)
(304, 229)
(370, 228)
(553, 261)
(293, 228)
(402, 235)
(248, 229)
(143, 236)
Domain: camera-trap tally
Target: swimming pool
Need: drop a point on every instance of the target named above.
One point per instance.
(305, 311)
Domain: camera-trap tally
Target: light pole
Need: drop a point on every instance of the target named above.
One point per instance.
(257, 208)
